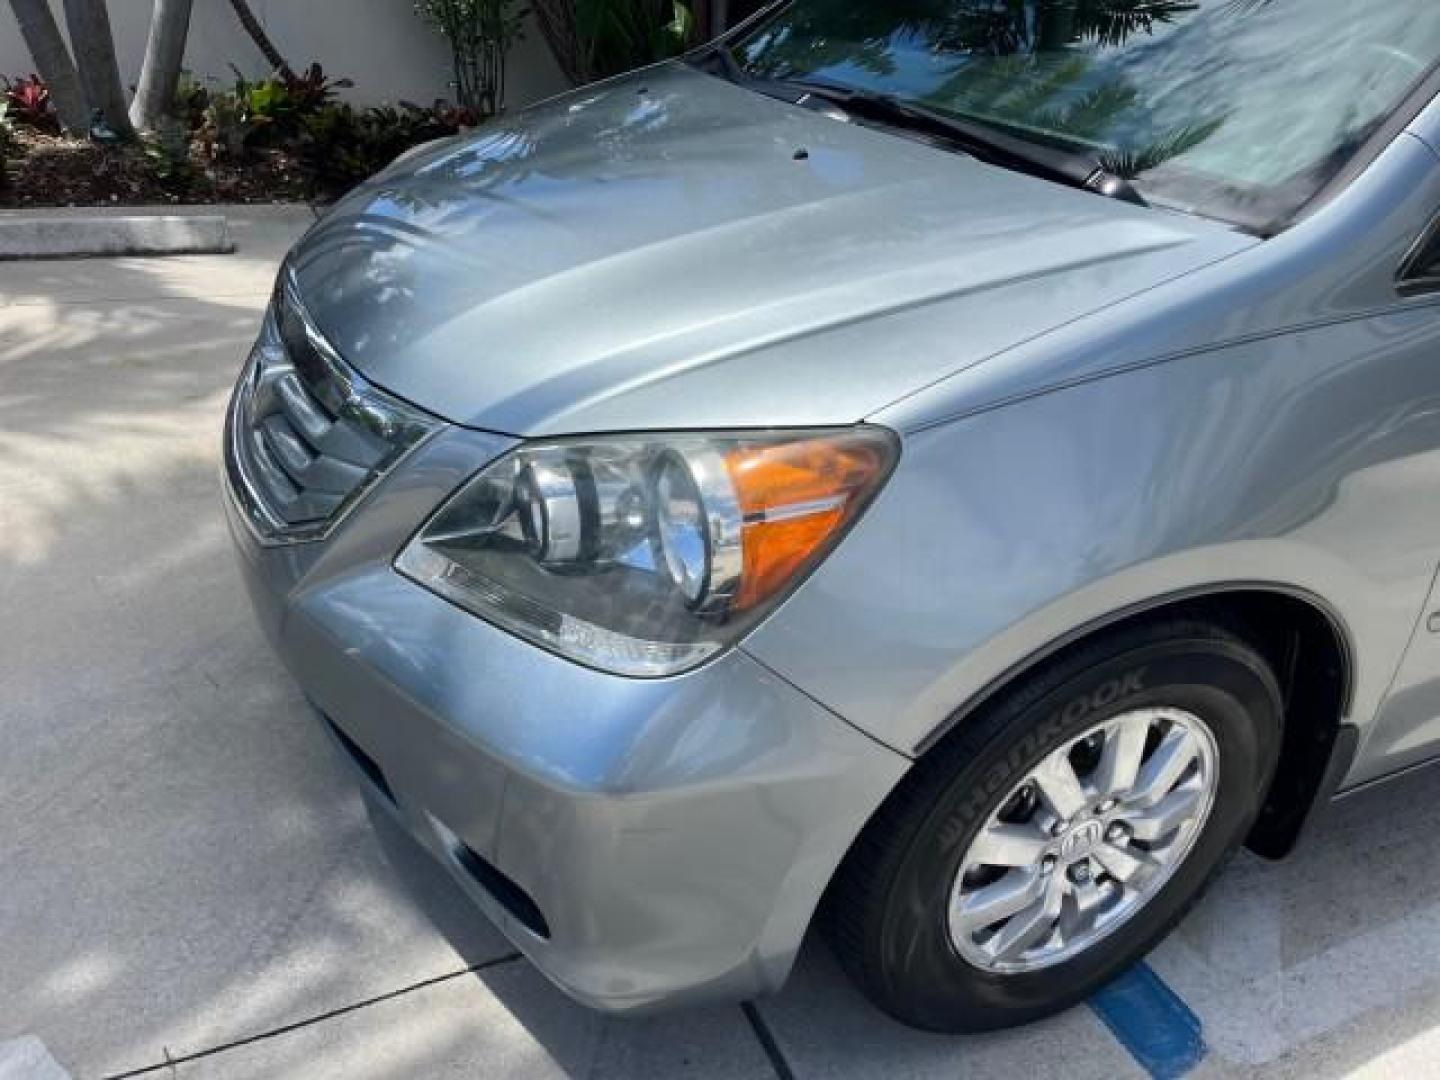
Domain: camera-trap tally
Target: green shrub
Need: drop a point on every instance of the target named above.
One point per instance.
(192, 98)
(264, 112)
(296, 120)
(481, 34)
(619, 35)
(344, 145)
(226, 129)
(281, 104)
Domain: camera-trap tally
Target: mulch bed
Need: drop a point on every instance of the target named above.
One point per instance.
(52, 170)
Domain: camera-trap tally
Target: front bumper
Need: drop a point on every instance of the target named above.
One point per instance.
(673, 836)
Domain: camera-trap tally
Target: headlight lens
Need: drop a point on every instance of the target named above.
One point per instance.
(644, 555)
(681, 528)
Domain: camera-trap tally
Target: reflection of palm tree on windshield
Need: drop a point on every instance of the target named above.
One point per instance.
(1042, 99)
(1027, 64)
(1130, 163)
(824, 32)
(1109, 22)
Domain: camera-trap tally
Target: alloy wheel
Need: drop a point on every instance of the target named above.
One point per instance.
(1084, 841)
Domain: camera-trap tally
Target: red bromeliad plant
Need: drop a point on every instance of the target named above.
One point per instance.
(311, 90)
(29, 100)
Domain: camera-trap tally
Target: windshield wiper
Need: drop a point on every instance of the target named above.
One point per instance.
(984, 141)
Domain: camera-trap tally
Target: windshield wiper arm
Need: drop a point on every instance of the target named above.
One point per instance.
(984, 141)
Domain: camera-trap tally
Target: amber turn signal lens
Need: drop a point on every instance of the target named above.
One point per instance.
(796, 499)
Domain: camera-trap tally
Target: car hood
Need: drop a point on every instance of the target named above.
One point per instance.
(669, 250)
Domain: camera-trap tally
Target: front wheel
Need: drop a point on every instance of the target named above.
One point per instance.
(1045, 847)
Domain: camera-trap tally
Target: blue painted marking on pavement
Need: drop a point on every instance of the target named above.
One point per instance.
(1152, 1022)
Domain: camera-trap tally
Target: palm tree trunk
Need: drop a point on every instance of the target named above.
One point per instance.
(94, 46)
(712, 18)
(164, 57)
(52, 59)
(262, 40)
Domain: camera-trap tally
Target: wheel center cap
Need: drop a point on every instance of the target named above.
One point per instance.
(1082, 840)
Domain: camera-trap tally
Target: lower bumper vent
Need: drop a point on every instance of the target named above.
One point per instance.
(510, 896)
(363, 761)
(506, 893)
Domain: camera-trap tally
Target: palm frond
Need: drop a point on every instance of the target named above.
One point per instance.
(1139, 160)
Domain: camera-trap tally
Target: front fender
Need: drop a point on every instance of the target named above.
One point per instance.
(1303, 463)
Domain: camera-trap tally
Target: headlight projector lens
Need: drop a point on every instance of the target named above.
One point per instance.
(682, 527)
(550, 512)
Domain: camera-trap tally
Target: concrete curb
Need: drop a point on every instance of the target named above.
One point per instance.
(78, 237)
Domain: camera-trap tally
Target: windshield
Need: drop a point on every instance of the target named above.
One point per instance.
(1239, 109)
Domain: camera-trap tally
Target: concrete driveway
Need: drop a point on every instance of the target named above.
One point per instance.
(189, 885)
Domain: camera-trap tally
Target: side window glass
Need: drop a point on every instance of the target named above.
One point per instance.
(1420, 272)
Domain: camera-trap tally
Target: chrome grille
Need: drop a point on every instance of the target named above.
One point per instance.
(307, 436)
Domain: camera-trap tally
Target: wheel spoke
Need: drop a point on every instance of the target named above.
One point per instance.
(991, 904)
(1031, 926)
(1008, 845)
(1078, 914)
(1059, 786)
(1124, 749)
(1162, 771)
(1126, 866)
(1171, 812)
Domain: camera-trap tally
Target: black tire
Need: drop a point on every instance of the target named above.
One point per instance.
(887, 908)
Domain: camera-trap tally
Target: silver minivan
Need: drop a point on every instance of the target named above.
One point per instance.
(948, 471)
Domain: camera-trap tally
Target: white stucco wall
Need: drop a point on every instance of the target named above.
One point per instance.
(390, 53)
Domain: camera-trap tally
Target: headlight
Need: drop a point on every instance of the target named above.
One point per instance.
(646, 555)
